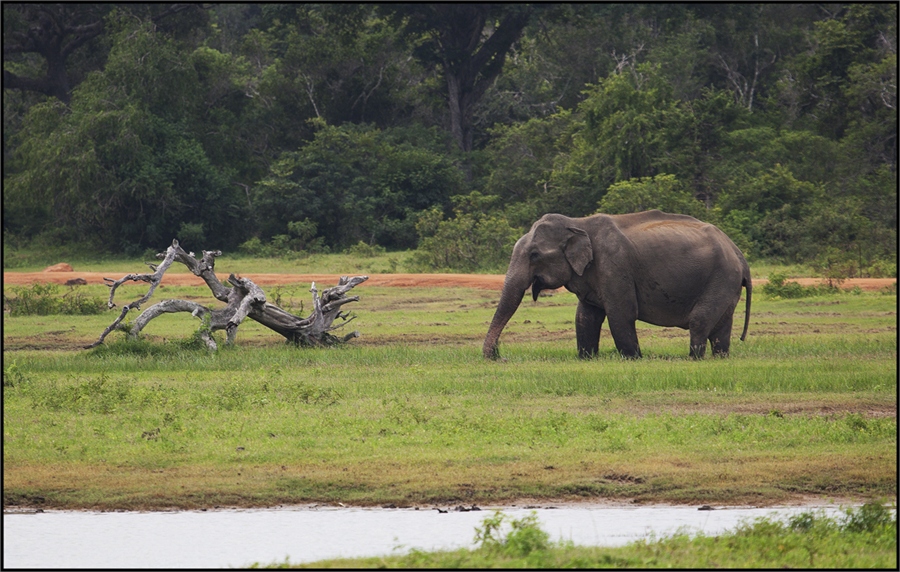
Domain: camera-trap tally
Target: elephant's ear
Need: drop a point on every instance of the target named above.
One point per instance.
(578, 250)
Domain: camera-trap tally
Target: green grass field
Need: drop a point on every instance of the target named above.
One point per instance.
(410, 413)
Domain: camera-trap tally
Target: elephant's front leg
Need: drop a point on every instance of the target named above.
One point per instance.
(588, 322)
(624, 334)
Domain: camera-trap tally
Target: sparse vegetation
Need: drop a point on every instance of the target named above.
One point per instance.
(45, 299)
(779, 287)
(864, 537)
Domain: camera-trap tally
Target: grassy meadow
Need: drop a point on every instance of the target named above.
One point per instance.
(411, 414)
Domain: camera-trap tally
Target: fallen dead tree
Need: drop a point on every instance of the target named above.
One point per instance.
(243, 299)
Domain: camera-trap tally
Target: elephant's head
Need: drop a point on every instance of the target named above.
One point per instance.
(545, 258)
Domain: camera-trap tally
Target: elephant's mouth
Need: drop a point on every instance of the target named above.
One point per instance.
(536, 286)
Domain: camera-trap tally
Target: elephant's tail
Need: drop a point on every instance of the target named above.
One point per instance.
(748, 284)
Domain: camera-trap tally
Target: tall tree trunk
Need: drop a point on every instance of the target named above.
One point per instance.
(469, 59)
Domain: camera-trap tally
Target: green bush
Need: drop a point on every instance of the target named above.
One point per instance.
(524, 537)
(43, 300)
(777, 286)
(664, 192)
(870, 517)
(363, 250)
(14, 376)
(476, 239)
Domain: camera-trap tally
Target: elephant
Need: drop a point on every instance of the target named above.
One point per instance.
(665, 269)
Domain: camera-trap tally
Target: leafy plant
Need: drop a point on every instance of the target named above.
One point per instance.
(478, 238)
(42, 300)
(364, 250)
(868, 518)
(523, 537)
(663, 192)
(14, 376)
(778, 286)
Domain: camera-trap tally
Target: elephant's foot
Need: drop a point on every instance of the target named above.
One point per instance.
(698, 350)
(631, 353)
(587, 353)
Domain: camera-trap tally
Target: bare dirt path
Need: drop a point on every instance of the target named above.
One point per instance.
(484, 281)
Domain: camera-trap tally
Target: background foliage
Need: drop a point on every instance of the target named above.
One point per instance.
(320, 127)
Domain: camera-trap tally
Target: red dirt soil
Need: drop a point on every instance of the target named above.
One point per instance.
(484, 281)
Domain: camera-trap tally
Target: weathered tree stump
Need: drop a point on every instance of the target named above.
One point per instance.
(243, 299)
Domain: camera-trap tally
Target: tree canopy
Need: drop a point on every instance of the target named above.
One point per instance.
(450, 126)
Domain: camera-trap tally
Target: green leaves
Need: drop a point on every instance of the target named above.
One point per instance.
(228, 122)
(358, 183)
(478, 238)
(122, 165)
(663, 192)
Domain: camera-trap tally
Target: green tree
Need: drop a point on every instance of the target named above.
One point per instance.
(56, 34)
(121, 166)
(521, 158)
(358, 183)
(468, 43)
(770, 209)
(477, 238)
(335, 62)
(663, 192)
(813, 87)
(624, 130)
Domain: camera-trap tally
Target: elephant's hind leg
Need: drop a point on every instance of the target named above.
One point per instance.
(699, 329)
(719, 334)
(720, 337)
(588, 322)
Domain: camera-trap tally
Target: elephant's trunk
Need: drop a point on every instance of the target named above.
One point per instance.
(513, 291)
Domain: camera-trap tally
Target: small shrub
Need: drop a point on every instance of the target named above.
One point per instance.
(191, 235)
(13, 376)
(479, 238)
(524, 537)
(882, 269)
(778, 286)
(94, 395)
(281, 298)
(303, 392)
(363, 250)
(299, 242)
(139, 347)
(43, 300)
(870, 517)
(76, 303)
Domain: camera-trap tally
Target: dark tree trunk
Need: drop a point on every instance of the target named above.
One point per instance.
(468, 57)
(470, 65)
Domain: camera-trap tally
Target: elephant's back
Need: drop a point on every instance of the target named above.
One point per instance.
(658, 230)
(686, 254)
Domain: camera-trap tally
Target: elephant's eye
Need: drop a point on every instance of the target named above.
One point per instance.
(534, 255)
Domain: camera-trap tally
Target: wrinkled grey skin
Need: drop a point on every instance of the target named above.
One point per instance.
(664, 269)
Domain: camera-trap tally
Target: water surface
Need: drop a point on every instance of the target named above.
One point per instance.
(238, 538)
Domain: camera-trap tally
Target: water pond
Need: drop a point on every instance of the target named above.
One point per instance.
(238, 538)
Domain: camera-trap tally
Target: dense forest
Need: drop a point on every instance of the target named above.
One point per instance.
(449, 128)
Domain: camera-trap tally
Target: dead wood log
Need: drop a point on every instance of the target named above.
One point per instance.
(243, 299)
